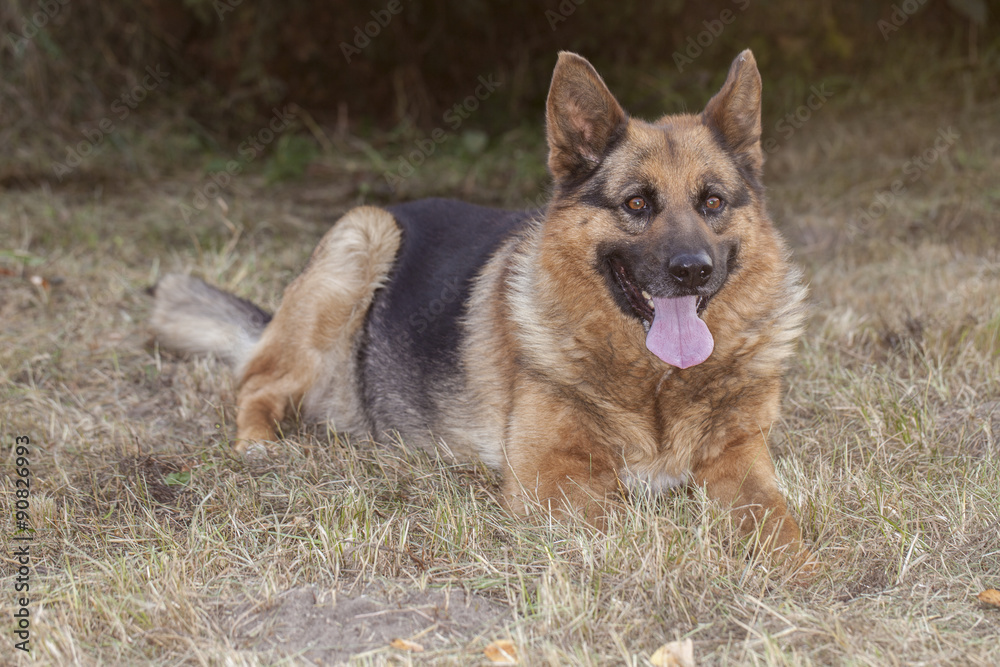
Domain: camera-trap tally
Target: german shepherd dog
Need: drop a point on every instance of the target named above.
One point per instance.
(634, 332)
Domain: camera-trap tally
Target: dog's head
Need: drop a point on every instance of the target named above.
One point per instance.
(669, 209)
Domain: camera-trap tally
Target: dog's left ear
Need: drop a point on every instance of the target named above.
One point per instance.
(734, 112)
(582, 118)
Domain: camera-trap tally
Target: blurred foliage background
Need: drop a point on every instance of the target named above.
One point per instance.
(400, 65)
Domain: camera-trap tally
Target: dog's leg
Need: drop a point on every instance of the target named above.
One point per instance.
(742, 477)
(553, 461)
(314, 330)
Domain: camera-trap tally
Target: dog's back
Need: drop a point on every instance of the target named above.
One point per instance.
(409, 350)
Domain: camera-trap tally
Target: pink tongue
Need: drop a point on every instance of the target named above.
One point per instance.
(678, 336)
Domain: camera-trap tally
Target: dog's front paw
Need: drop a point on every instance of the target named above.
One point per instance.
(252, 449)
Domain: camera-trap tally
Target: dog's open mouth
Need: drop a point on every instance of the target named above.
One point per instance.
(639, 299)
(676, 334)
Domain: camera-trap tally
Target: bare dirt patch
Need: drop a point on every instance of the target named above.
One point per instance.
(331, 627)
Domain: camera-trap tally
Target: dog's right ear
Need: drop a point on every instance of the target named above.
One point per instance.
(583, 119)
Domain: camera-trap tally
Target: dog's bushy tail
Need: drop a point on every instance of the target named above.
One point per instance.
(192, 317)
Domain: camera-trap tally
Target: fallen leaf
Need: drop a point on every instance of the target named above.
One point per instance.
(406, 645)
(674, 654)
(501, 652)
(990, 596)
(39, 281)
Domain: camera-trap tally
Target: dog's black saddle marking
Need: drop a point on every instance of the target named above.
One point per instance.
(415, 321)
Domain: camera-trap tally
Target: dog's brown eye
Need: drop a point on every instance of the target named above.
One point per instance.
(713, 203)
(636, 203)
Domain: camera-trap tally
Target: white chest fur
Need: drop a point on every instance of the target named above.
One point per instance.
(645, 480)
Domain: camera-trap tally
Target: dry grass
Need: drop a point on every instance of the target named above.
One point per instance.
(156, 545)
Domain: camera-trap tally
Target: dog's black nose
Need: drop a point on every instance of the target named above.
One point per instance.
(691, 269)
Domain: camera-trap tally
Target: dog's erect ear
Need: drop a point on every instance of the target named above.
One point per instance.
(734, 112)
(582, 118)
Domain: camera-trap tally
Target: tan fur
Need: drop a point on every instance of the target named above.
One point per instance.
(555, 385)
(577, 452)
(587, 410)
(305, 356)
